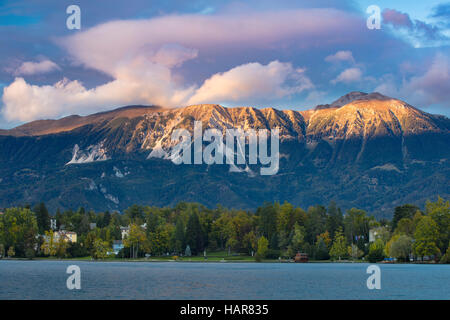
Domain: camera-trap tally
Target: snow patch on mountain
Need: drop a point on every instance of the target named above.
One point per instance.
(387, 167)
(112, 198)
(92, 153)
(158, 151)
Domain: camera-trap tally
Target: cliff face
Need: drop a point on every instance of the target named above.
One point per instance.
(363, 150)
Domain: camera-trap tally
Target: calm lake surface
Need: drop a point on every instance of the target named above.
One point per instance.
(171, 280)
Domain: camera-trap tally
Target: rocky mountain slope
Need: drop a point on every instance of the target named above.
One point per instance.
(364, 150)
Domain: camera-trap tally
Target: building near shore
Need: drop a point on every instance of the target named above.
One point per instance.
(117, 246)
(68, 236)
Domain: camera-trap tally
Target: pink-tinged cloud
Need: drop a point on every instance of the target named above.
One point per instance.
(104, 46)
(143, 57)
(253, 80)
(423, 90)
(348, 75)
(345, 55)
(396, 18)
(420, 33)
(31, 68)
(433, 86)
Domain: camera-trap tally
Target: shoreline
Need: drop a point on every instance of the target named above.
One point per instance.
(216, 261)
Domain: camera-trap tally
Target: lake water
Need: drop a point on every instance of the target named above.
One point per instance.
(172, 280)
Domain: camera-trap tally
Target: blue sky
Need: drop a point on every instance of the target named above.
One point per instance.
(284, 54)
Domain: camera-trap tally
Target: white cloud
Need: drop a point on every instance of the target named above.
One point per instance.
(348, 75)
(152, 84)
(26, 102)
(253, 80)
(142, 57)
(30, 68)
(341, 56)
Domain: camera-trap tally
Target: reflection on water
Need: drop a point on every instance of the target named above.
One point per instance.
(170, 280)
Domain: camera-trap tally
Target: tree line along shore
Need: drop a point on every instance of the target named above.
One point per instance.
(193, 232)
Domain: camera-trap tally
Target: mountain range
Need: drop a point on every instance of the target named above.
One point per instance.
(363, 150)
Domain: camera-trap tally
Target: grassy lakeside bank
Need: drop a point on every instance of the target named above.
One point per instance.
(219, 256)
(169, 259)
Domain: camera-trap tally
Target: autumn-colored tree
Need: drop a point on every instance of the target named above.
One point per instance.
(100, 250)
(136, 238)
(11, 252)
(326, 238)
(49, 244)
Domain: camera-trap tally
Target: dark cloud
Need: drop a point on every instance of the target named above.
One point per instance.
(417, 28)
(441, 11)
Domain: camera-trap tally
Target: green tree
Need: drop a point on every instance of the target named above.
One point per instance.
(315, 223)
(405, 226)
(89, 240)
(251, 242)
(387, 247)
(42, 218)
(268, 220)
(159, 240)
(136, 238)
(426, 236)
(439, 211)
(30, 253)
(179, 236)
(376, 251)
(49, 244)
(135, 214)
(194, 234)
(339, 247)
(401, 212)
(335, 219)
(263, 248)
(446, 257)
(355, 252)
(222, 230)
(357, 225)
(401, 248)
(106, 219)
(61, 246)
(11, 252)
(298, 240)
(19, 229)
(321, 249)
(100, 249)
(285, 221)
